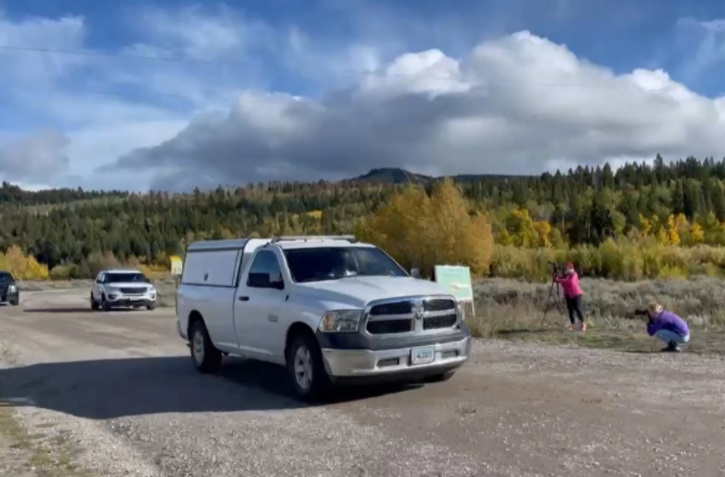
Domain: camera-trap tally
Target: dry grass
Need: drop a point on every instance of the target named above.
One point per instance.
(514, 310)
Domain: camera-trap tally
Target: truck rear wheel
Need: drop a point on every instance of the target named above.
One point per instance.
(306, 369)
(206, 358)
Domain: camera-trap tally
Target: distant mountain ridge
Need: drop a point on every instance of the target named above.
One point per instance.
(393, 175)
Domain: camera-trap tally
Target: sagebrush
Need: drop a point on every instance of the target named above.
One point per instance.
(504, 305)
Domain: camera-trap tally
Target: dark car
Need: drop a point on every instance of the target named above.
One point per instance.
(9, 292)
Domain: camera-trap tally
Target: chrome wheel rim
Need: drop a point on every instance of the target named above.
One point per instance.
(303, 368)
(198, 347)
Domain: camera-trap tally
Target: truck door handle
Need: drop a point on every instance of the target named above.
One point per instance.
(243, 298)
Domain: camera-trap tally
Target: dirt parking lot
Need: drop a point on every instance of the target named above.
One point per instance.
(112, 394)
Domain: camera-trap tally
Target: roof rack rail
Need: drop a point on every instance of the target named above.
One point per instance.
(285, 238)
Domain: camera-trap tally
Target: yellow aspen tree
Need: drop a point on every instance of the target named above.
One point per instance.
(646, 225)
(673, 235)
(543, 232)
(682, 226)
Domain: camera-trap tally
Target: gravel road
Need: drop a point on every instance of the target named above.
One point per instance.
(117, 392)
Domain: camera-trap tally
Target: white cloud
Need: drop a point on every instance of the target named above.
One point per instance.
(518, 104)
(106, 106)
(34, 158)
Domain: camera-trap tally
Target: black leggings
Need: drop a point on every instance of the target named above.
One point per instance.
(575, 305)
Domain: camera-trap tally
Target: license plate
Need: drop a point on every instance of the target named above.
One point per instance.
(423, 355)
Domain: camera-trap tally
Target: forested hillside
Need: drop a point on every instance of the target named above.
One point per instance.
(682, 204)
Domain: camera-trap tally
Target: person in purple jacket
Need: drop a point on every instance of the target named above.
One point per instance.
(667, 326)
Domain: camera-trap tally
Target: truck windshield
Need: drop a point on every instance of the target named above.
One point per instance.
(6, 277)
(126, 277)
(332, 263)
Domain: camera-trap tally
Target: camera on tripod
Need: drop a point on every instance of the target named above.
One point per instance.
(556, 268)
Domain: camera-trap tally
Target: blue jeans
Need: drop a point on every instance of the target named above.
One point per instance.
(669, 336)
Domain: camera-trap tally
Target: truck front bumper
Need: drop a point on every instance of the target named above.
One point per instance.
(395, 363)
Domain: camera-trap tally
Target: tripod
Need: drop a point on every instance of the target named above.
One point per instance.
(558, 303)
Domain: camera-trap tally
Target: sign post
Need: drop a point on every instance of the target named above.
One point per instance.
(457, 280)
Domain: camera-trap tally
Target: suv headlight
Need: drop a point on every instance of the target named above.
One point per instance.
(340, 321)
(12, 288)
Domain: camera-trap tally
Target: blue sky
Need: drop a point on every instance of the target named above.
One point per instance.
(281, 89)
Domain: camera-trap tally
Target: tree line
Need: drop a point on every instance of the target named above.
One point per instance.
(670, 205)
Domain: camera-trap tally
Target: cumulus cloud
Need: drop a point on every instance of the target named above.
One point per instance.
(517, 104)
(34, 157)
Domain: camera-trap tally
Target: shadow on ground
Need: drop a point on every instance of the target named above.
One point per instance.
(111, 388)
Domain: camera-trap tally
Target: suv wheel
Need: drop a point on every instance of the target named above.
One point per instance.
(94, 303)
(307, 372)
(104, 304)
(206, 358)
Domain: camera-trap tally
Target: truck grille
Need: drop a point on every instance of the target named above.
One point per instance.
(390, 326)
(133, 291)
(437, 322)
(398, 316)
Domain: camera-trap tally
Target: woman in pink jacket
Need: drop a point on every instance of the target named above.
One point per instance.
(573, 295)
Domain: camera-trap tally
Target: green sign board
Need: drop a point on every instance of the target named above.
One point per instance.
(456, 279)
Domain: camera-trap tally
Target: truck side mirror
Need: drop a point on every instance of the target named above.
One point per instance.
(415, 272)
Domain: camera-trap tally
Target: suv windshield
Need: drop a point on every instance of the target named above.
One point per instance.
(331, 263)
(6, 277)
(126, 277)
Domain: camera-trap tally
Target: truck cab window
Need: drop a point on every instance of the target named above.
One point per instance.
(333, 263)
(265, 271)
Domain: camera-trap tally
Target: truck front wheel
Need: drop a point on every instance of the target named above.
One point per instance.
(306, 369)
(206, 358)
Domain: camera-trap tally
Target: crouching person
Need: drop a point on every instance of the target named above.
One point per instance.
(668, 327)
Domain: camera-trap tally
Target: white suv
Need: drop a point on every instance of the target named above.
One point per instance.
(122, 288)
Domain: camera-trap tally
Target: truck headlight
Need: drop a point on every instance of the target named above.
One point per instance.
(461, 311)
(12, 288)
(340, 321)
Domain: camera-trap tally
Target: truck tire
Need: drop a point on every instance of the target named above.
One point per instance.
(439, 378)
(306, 369)
(15, 302)
(94, 303)
(204, 355)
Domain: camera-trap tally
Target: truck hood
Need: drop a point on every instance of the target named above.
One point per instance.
(358, 291)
